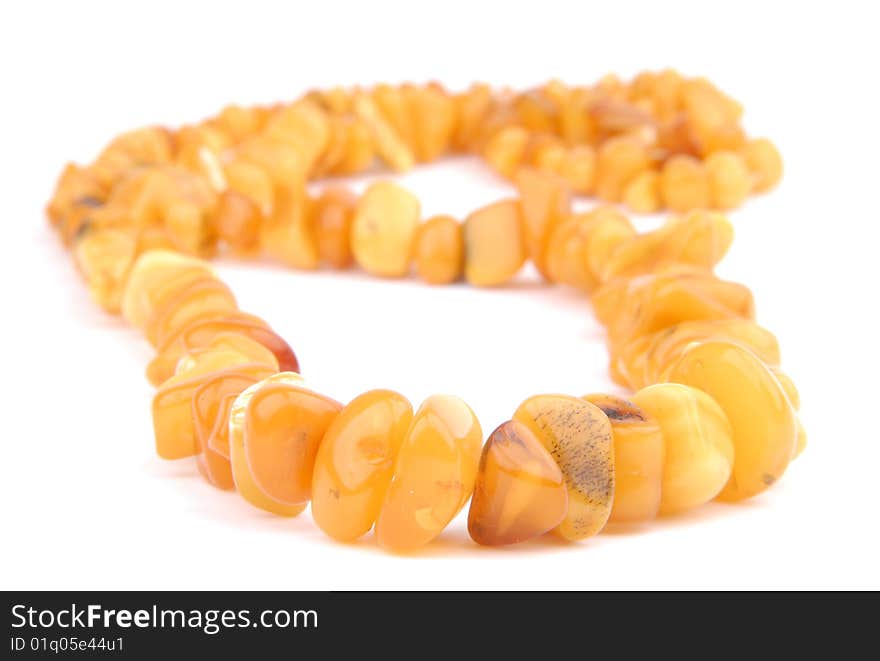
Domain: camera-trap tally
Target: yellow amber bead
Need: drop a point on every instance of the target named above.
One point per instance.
(433, 475)
(578, 168)
(383, 229)
(153, 274)
(201, 298)
(698, 444)
(241, 472)
(471, 108)
(729, 179)
(761, 417)
(684, 184)
(764, 162)
(506, 150)
(251, 181)
(642, 192)
(252, 350)
(566, 254)
(520, 491)
(619, 160)
(439, 250)
(638, 459)
(545, 201)
(355, 461)
(493, 244)
(289, 234)
(105, 258)
(578, 436)
(389, 144)
(433, 116)
(609, 229)
(333, 213)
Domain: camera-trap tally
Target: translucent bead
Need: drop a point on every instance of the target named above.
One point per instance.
(289, 234)
(201, 298)
(252, 350)
(684, 184)
(578, 169)
(642, 192)
(104, 258)
(520, 492)
(566, 255)
(761, 417)
(729, 179)
(545, 201)
(201, 332)
(764, 162)
(389, 144)
(333, 213)
(241, 472)
(283, 427)
(211, 403)
(355, 461)
(506, 150)
(439, 250)
(493, 244)
(238, 219)
(252, 182)
(578, 436)
(638, 459)
(698, 444)
(471, 107)
(383, 229)
(619, 160)
(433, 117)
(433, 475)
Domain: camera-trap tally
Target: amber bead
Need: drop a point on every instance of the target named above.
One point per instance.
(383, 229)
(252, 182)
(173, 425)
(642, 192)
(105, 258)
(283, 426)
(698, 444)
(545, 201)
(764, 163)
(233, 342)
(289, 234)
(566, 255)
(439, 250)
(211, 403)
(238, 222)
(729, 179)
(389, 144)
(333, 213)
(638, 459)
(154, 275)
(471, 107)
(200, 333)
(433, 475)
(241, 472)
(619, 160)
(433, 118)
(355, 461)
(684, 184)
(506, 150)
(578, 436)
(761, 417)
(493, 244)
(199, 299)
(520, 492)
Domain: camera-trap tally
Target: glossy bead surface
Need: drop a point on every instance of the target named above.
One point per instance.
(698, 444)
(520, 492)
(493, 244)
(761, 418)
(433, 475)
(545, 201)
(354, 464)
(439, 250)
(578, 436)
(383, 229)
(638, 459)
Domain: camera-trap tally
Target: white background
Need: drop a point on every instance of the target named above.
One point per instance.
(87, 504)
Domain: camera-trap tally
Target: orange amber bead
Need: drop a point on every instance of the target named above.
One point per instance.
(333, 213)
(238, 222)
(761, 417)
(439, 250)
(520, 492)
(764, 162)
(283, 426)
(638, 459)
(684, 184)
(545, 201)
(433, 476)
(620, 159)
(355, 461)
(493, 244)
(288, 235)
(578, 436)
(199, 299)
(383, 229)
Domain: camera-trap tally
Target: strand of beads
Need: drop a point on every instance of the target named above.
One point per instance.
(718, 420)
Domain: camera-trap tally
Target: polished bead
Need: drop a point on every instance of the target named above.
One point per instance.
(545, 201)
(764, 163)
(698, 444)
(105, 257)
(201, 298)
(211, 403)
(642, 192)
(354, 464)
(333, 213)
(245, 484)
(761, 417)
(566, 255)
(578, 436)
(729, 179)
(493, 244)
(520, 492)
(638, 459)
(288, 235)
(439, 250)
(620, 159)
(238, 222)
(433, 117)
(283, 426)
(433, 475)
(383, 229)
(506, 150)
(201, 332)
(684, 184)
(389, 144)
(250, 349)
